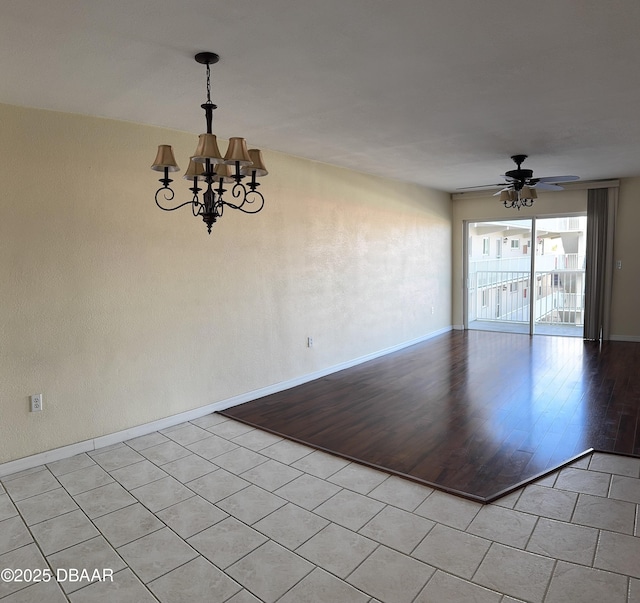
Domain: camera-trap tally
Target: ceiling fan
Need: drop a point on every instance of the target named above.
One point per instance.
(520, 185)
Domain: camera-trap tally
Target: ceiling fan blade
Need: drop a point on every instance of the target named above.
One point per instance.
(558, 179)
(546, 186)
(508, 188)
(464, 188)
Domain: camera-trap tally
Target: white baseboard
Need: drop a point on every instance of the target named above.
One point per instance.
(57, 454)
(49, 456)
(633, 338)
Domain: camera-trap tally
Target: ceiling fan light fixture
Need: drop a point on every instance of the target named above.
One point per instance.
(522, 184)
(518, 198)
(505, 196)
(519, 186)
(509, 196)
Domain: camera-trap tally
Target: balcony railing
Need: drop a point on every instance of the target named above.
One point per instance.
(560, 298)
(569, 261)
(506, 295)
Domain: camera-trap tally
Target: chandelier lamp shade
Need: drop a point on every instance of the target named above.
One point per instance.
(209, 171)
(517, 198)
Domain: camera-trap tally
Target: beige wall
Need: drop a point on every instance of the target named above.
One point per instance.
(625, 320)
(121, 314)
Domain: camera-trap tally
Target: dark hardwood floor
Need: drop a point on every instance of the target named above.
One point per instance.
(470, 412)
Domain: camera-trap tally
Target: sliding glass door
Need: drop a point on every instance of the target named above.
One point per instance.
(559, 275)
(526, 275)
(498, 275)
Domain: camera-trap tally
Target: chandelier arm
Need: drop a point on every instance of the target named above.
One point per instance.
(237, 191)
(196, 206)
(254, 197)
(248, 197)
(169, 198)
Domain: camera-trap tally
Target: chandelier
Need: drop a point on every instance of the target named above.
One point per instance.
(208, 167)
(518, 197)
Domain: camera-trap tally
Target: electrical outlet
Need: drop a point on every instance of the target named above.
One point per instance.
(36, 402)
(309, 342)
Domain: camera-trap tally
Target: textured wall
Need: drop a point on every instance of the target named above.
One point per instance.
(625, 318)
(121, 314)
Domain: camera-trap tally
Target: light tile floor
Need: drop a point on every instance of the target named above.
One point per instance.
(216, 511)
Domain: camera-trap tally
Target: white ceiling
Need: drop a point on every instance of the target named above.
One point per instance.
(438, 92)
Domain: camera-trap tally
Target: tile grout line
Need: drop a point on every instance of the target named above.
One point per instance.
(484, 556)
(535, 525)
(551, 575)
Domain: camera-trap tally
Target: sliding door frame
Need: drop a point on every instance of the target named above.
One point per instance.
(533, 293)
